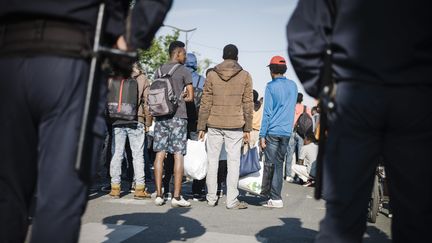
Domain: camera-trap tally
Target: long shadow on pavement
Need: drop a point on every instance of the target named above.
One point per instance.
(376, 236)
(161, 227)
(291, 231)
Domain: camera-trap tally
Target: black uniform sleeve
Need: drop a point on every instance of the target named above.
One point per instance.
(116, 14)
(308, 35)
(147, 17)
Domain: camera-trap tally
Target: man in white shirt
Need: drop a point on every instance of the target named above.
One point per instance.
(307, 159)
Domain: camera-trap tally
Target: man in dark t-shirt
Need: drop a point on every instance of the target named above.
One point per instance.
(170, 132)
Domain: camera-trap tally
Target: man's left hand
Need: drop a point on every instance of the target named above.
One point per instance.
(263, 143)
(246, 137)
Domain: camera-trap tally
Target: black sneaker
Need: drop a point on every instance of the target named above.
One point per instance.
(132, 187)
(167, 196)
(198, 197)
(106, 188)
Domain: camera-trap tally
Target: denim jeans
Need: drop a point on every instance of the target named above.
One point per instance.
(294, 147)
(135, 133)
(275, 151)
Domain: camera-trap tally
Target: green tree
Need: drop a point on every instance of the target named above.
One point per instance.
(204, 64)
(152, 58)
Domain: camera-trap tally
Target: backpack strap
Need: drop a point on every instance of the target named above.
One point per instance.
(159, 73)
(304, 109)
(173, 69)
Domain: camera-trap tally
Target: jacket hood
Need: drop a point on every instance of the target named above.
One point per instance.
(228, 69)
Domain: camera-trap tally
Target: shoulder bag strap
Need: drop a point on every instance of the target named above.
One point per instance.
(199, 80)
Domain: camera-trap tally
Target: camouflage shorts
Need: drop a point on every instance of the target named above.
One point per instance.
(170, 135)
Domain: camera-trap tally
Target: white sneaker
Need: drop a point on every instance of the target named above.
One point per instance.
(154, 194)
(274, 204)
(211, 204)
(179, 203)
(159, 201)
(289, 179)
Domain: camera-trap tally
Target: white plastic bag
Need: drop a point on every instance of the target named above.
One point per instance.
(195, 160)
(253, 182)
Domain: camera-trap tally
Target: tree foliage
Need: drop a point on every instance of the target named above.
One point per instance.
(204, 64)
(151, 59)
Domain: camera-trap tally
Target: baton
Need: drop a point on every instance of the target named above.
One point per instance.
(97, 51)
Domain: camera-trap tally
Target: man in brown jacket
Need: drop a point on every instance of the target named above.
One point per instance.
(226, 114)
(135, 131)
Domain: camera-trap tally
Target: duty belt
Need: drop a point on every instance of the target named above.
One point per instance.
(44, 37)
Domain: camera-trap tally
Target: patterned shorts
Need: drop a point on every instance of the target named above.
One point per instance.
(170, 135)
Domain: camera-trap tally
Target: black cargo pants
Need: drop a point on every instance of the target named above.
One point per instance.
(369, 121)
(41, 104)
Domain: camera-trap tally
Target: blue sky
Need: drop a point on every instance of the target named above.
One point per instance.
(257, 28)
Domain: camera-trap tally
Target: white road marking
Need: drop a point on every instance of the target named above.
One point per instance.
(107, 233)
(129, 201)
(228, 238)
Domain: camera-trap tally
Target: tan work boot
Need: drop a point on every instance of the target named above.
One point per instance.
(115, 191)
(141, 193)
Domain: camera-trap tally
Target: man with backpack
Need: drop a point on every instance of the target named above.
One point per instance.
(167, 104)
(302, 124)
(226, 112)
(130, 119)
(278, 119)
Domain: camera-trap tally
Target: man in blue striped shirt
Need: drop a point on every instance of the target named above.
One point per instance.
(277, 123)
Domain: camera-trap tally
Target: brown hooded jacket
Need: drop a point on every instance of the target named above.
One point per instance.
(227, 100)
(143, 89)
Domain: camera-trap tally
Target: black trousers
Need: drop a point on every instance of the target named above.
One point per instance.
(41, 104)
(168, 172)
(198, 186)
(370, 121)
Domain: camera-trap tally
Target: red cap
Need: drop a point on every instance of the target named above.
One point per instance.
(278, 60)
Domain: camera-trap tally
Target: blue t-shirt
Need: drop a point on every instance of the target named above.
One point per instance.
(279, 106)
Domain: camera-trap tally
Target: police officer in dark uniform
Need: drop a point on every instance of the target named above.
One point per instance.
(381, 61)
(44, 66)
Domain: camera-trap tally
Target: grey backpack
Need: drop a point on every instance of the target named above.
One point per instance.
(162, 100)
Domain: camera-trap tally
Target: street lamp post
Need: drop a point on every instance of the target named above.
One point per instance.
(181, 30)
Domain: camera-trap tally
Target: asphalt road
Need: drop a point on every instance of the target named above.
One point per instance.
(129, 220)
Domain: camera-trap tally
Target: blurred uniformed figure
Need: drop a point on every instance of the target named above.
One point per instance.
(381, 62)
(44, 67)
